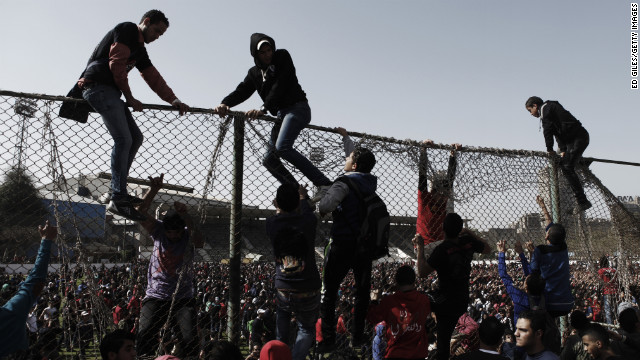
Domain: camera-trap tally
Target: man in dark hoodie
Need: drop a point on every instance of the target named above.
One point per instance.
(292, 232)
(105, 80)
(572, 139)
(341, 253)
(274, 77)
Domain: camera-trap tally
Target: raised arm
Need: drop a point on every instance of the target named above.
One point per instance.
(18, 306)
(423, 164)
(523, 259)
(423, 268)
(349, 146)
(518, 296)
(451, 169)
(156, 185)
(543, 208)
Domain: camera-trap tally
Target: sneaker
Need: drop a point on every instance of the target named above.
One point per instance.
(582, 206)
(326, 346)
(320, 193)
(124, 208)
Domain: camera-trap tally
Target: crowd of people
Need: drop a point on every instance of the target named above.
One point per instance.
(442, 305)
(66, 319)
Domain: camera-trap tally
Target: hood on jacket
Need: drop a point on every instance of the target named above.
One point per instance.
(275, 350)
(381, 329)
(367, 182)
(256, 38)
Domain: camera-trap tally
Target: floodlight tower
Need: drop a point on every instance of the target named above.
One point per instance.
(26, 109)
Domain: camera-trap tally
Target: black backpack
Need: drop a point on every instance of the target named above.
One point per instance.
(373, 238)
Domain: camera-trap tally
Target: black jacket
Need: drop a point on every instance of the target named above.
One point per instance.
(279, 89)
(558, 122)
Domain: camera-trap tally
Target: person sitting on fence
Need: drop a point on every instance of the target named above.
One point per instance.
(292, 232)
(118, 345)
(169, 276)
(572, 139)
(274, 77)
(13, 314)
(433, 197)
(341, 252)
(452, 261)
(104, 81)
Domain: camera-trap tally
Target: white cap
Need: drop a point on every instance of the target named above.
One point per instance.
(262, 42)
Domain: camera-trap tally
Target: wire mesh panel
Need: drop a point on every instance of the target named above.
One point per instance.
(59, 170)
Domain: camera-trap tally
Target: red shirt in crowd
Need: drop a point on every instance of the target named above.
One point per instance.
(405, 313)
(607, 275)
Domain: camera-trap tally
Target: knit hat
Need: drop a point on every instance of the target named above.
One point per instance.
(275, 350)
(626, 305)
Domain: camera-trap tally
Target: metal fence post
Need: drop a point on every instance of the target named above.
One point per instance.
(555, 190)
(233, 320)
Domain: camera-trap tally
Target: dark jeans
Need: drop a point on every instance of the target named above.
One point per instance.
(446, 320)
(570, 160)
(339, 258)
(283, 136)
(126, 135)
(153, 317)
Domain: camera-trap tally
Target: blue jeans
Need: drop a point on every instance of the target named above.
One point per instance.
(306, 312)
(126, 135)
(283, 136)
(609, 308)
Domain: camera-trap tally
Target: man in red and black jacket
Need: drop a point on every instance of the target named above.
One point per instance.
(104, 81)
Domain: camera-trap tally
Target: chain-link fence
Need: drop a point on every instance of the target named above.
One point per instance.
(59, 170)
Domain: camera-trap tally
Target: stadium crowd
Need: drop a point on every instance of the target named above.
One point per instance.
(66, 319)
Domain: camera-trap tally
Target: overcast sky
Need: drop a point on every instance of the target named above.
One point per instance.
(450, 71)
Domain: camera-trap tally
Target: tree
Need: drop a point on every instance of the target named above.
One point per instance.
(21, 210)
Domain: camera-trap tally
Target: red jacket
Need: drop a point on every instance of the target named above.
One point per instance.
(405, 313)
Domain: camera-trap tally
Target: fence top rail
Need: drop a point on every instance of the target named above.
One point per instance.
(408, 142)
